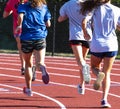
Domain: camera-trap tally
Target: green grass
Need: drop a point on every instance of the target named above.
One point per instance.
(48, 53)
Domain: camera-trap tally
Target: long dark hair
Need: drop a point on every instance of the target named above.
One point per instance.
(89, 5)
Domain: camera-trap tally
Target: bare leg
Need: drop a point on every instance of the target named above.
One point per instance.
(20, 52)
(40, 63)
(108, 63)
(80, 55)
(95, 64)
(40, 58)
(28, 69)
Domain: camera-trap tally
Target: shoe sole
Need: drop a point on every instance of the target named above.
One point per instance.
(45, 76)
(106, 106)
(99, 80)
(86, 76)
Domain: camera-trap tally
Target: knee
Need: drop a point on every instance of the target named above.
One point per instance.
(28, 64)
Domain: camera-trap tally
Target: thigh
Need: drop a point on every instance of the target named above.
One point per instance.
(40, 56)
(108, 63)
(77, 50)
(80, 49)
(40, 50)
(85, 52)
(28, 59)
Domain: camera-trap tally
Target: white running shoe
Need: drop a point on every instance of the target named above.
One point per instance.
(81, 90)
(105, 104)
(27, 91)
(45, 76)
(86, 73)
(98, 82)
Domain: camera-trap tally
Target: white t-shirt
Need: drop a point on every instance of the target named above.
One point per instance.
(105, 20)
(71, 9)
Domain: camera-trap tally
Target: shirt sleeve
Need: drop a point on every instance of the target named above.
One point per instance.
(21, 8)
(47, 15)
(63, 10)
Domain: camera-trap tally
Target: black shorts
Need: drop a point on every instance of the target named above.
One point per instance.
(27, 46)
(80, 42)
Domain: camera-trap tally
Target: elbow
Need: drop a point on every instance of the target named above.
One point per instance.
(59, 19)
(48, 23)
(62, 18)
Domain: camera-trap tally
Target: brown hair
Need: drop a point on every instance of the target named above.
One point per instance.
(21, 1)
(35, 3)
(89, 5)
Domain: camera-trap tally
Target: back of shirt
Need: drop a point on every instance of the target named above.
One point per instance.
(71, 9)
(33, 25)
(105, 21)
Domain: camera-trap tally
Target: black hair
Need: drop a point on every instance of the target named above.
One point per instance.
(89, 5)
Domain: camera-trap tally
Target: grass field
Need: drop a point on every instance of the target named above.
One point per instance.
(48, 53)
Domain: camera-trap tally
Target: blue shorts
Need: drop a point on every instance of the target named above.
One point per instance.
(104, 54)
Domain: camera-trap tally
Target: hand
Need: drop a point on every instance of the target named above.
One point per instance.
(18, 31)
(118, 27)
(86, 35)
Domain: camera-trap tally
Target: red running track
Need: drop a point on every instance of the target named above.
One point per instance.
(60, 93)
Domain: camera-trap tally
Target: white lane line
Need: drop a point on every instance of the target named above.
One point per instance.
(58, 74)
(58, 68)
(61, 84)
(40, 94)
(50, 61)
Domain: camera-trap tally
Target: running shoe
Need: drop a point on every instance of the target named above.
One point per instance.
(98, 81)
(45, 76)
(34, 73)
(105, 104)
(27, 91)
(86, 73)
(22, 71)
(81, 90)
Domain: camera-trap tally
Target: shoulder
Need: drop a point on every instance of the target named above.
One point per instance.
(12, 2)
(26, 5)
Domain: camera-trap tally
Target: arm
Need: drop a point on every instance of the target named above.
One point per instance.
(118, 27)
(48, 23)
(8, 10)
(62, 18)
(18, 29)
(6, 14)
(20, 19)
(84, 27)
(62, 14)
